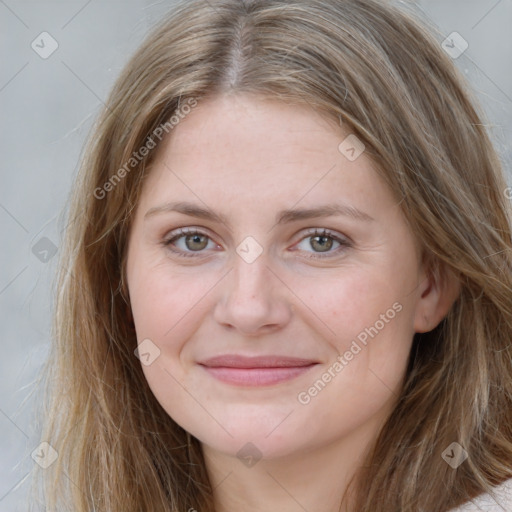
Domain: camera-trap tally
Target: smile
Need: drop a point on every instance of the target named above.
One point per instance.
(256, 371)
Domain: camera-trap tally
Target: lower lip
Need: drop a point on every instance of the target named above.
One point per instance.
(256, 376)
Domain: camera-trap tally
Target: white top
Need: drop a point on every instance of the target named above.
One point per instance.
(501, 501)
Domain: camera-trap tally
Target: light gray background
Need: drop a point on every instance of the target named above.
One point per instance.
(48, 106)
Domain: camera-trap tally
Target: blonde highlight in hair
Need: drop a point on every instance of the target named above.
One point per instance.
(377, 69)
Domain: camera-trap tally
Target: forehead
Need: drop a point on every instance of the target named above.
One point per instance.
(254, 152)
(257, 116)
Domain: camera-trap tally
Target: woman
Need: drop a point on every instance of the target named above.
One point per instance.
(208, 355)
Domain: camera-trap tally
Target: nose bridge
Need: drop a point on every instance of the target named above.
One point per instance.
(250, 265)
(251, 276)
(252, 297)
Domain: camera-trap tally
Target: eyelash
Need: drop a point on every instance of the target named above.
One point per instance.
(344, 243)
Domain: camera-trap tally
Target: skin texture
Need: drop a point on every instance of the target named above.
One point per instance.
(248, 158)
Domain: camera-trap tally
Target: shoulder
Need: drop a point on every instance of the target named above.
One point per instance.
(500, 500)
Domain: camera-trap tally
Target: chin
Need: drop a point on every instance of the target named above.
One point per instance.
(250, 438)
(250, 447)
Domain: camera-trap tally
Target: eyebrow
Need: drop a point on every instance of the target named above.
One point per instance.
(282, 217)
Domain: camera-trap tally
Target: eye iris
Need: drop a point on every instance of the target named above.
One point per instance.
(195, 239)
(323, 245)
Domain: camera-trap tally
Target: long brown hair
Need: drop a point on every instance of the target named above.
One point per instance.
(379, 70)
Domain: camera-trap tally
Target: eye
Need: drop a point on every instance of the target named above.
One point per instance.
(193, 240)
(322, 241)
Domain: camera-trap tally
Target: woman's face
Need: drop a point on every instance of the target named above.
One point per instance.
(330, 315)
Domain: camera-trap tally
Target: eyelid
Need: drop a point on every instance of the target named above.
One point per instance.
(328, 232)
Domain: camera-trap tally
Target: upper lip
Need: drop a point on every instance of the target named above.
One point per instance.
(270, 361)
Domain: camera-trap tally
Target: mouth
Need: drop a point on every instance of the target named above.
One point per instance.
(256, 371)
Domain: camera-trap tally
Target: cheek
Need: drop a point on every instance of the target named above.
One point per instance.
(352, 300)
(367, 314)
(366, 310)
(164, 304)
(166, 310)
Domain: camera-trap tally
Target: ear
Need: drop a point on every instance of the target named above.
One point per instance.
(439, 288)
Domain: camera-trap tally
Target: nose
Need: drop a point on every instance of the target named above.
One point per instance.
(254, 300)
